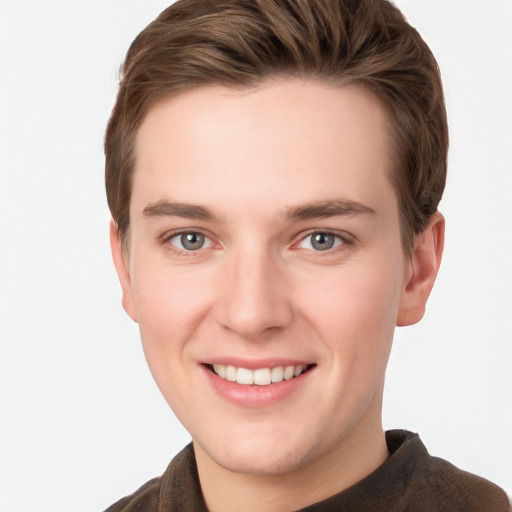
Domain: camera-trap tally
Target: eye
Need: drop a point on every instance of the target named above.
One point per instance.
(321, 241)
(190, 241)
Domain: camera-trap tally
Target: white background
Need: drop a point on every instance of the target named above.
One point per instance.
(82, 423)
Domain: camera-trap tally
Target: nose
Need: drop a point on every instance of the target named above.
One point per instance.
(253, 297)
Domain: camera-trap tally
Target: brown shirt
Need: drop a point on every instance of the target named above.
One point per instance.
(410, 480)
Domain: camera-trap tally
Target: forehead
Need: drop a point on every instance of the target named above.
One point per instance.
(305, 139)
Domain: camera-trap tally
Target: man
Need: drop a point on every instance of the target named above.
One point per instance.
(273, 172)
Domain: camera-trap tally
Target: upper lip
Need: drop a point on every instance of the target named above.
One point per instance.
(254, 364)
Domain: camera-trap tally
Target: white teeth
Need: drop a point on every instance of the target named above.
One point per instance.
(230, 373)
(220, 370)
(277, 374)
(261, 376)
(244, 376)
(298, 370)
(288, 372)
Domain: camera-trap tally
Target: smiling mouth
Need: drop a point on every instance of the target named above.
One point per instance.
(260, 376)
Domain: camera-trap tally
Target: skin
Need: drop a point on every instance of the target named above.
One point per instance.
(259, 289)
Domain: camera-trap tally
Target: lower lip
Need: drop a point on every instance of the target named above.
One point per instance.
(256, 396)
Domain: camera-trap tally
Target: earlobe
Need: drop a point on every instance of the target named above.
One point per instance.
(424, 265)
(122, 271)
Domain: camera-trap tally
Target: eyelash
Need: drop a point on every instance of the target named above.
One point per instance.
(343, 239)
(166, 240)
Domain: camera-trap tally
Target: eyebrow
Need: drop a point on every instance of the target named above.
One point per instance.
(312, 210)
(165, 208)
(327, 208)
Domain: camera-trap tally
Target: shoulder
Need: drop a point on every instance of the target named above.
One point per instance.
(470, 492)
(144, 499)
(435, 480)
(176, 490)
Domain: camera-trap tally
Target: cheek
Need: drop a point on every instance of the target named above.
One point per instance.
(355, 309)
(171, 303)
(359, 292)
(170, 307)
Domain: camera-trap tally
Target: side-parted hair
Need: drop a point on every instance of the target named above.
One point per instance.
(241, 43)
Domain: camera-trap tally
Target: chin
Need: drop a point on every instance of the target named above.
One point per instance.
(257, 455)
(258, 463)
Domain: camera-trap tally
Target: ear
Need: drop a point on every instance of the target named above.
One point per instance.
(424, 265)
(122, 271)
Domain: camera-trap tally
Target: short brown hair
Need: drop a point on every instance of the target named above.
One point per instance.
(240, 43)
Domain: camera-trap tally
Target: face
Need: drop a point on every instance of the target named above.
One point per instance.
(265, 268)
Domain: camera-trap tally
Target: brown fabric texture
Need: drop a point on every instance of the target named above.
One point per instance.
(410, 480)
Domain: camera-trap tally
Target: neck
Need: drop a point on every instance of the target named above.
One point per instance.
(361, 452)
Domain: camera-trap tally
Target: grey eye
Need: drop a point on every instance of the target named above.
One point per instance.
(190, 241)
(321, 241)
